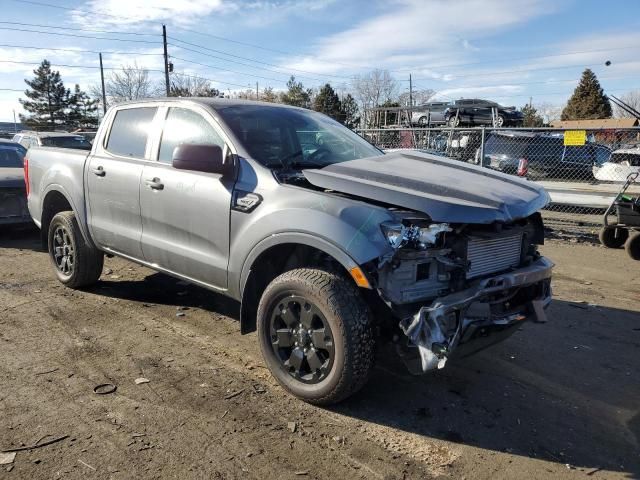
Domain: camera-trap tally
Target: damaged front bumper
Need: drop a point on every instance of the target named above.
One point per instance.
(469, 320)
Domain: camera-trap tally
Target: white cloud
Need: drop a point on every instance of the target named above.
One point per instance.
(415, 32)
(131, 12)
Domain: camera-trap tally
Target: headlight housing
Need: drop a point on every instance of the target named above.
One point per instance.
(398, 235)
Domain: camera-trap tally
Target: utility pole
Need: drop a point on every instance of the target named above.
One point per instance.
(257, 92)
(104, 95)
(166, 58)
(15, 125)
(410, 92)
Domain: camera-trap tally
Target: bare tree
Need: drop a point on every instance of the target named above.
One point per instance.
(632, 99)
(420, 97)
(375, 88)
(129, 83)
(190, 86)
(548, 111)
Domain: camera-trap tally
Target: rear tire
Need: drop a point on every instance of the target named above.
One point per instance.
(453, 121)
(76, 263)
(315, 335)
(613, 237)
(633, 246)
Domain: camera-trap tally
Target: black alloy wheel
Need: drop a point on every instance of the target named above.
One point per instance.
(63, 251)
(301, 338)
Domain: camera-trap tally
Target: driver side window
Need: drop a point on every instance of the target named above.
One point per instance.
(185, 126)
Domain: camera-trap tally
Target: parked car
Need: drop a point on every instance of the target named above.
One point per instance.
(52, 139)
(431, 113)
(480, 112)
(13, 198)
(330, 246)
(618, 167)
(541, 155)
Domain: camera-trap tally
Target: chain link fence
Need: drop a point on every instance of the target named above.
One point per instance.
(582, 179)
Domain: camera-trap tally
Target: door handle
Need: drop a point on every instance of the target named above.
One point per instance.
(99, 171)
(154, 184)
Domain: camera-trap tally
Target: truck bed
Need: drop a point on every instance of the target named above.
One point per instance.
(62, 168)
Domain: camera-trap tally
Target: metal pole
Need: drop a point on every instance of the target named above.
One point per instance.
(257, 94)
(15, 125)
(104, 95)
(410, 92)
(166, 58)
(481, 159)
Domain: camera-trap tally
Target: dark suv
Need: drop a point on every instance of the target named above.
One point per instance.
(541, 155)
(480, 112)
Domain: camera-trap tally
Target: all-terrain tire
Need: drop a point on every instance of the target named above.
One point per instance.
(613, 237)
(349, 319)
(83, 264)
(633, 246)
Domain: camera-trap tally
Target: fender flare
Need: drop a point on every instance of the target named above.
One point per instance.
(54, 187)
(293, 237)
(247, 321)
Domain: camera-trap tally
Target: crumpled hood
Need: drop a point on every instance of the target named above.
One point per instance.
(11, 178)
(446, 190)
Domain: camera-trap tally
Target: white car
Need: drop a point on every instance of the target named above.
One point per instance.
(621, 163)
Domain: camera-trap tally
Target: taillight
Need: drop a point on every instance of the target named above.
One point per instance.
(523, 167)
(26, 174)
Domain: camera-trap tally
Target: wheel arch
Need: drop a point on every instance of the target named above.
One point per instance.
(56, 200)
(278, 254)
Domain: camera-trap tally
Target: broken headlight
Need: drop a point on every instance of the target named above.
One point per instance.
(399, 235)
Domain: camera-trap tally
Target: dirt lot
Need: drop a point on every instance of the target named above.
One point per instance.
(556, 400)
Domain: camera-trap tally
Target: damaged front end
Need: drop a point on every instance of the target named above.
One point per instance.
(459, 288)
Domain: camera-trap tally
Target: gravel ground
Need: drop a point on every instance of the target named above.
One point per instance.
(556, 400)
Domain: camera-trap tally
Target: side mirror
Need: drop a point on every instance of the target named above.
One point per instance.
(200, 158)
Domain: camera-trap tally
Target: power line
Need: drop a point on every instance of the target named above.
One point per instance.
(80, 29)
(77, 36)
(227, 70)
(253, 60)
(77, 50)
(239, 63)
(543, 82)
(520, 58)
(453, 76)
(94, 67)
(10, 90)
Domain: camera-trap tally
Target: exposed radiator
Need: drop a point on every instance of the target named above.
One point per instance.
(489, 255)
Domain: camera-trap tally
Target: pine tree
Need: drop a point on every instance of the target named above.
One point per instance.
(47, 99)
(531, 117)
(588, 100)
(328, 102)
(349, 114)
(296, 94)
(82, 110)
(268, 95)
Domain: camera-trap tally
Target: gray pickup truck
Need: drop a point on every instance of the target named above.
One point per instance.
(331, 247)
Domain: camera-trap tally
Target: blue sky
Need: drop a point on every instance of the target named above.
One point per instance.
(505, 50)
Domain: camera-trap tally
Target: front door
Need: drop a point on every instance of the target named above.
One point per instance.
(113, 182)
(185, 215)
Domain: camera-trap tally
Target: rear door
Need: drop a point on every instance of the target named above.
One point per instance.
(113, 181)
(185, 214)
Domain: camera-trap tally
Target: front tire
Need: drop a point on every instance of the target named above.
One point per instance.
(315, 335)
(613, 237)
(76, 263)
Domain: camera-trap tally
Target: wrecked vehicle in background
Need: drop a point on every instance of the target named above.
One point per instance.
(330, 245)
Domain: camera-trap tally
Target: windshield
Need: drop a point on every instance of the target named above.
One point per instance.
(75, 141)
(12, 156)
(288, 138)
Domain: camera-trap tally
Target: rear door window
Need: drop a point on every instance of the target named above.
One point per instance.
(130, 131)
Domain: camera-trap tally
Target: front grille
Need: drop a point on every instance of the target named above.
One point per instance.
(489, 255)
